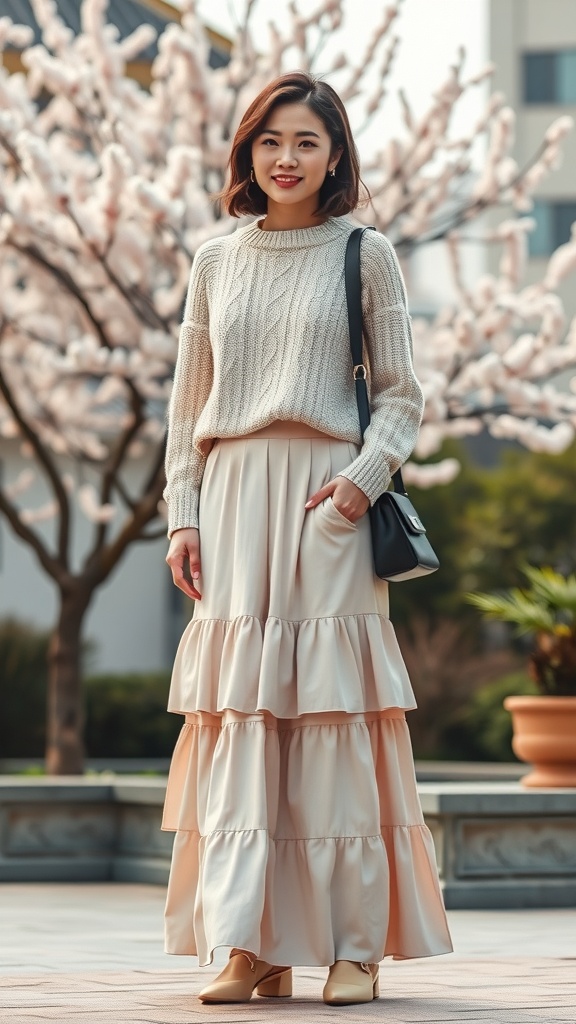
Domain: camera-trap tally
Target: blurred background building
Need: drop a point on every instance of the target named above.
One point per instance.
(126, 15)
(533, 45)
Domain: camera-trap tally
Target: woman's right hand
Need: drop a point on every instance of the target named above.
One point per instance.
(184, 551)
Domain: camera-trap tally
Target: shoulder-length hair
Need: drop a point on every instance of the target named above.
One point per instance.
(340, 193)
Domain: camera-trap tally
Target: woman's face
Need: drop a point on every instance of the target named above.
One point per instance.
(292, 155)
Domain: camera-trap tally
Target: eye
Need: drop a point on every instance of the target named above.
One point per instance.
(266, 141)
(308, 142)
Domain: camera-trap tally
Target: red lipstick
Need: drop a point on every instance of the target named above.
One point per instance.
(286, 180)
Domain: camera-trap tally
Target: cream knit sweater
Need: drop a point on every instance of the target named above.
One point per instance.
(265, 337)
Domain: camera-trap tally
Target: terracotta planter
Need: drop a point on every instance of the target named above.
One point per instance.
(545, 736)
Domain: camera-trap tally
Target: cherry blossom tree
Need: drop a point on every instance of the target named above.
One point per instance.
(105, 194)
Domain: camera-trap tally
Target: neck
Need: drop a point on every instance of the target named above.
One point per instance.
(281, 217)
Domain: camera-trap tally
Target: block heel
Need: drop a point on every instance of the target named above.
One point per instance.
(245, 974)
(277, 985)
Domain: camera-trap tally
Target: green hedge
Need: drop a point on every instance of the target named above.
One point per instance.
(125, 714)
(482, 730)
(23, 678)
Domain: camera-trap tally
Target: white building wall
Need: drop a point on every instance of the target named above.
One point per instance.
(428, 273)
(429, 279)
(136, 616)
(516, 27)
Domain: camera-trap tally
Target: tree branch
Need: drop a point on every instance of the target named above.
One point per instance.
(157, 465)
(115, 461)
(52, 566)
(66, 280)
(132, 294)
(468, 212)
(128, 501)
(69, 284)
(45, 460)
(101, 562)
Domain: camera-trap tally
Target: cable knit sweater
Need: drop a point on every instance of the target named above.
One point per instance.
(265, 337)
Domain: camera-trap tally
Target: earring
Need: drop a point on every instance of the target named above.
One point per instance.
(332, 173)
(252, 178)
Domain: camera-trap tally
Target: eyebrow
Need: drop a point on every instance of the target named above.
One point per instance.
(271, 131)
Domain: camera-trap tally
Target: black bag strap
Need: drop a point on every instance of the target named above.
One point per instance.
(353, 282)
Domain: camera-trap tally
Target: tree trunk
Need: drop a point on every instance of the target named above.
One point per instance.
(65, 710)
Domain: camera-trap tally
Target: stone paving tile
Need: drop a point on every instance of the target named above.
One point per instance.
(457, 991)
(109, 926)
(93, 953)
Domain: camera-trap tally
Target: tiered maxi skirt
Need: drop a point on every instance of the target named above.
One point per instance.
(299, 831)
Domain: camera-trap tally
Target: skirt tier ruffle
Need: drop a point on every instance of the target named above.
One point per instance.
(339, 663)
(299, 832)
(300, 840)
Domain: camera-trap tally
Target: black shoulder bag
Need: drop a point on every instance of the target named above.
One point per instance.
(400, 546)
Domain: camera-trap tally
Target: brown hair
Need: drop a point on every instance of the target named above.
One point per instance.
(339, 194)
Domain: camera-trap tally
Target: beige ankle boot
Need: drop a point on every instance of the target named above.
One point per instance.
(351, 982)
(244, 973)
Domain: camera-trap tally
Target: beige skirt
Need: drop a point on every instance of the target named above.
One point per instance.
(299, 831)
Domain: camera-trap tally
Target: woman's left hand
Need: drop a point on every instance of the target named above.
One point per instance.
(350, 501)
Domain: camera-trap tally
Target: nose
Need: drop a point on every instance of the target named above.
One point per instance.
(287, 158)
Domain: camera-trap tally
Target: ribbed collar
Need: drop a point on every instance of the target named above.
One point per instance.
(296, 238)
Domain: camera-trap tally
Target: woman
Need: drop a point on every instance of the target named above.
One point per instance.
(300, 838)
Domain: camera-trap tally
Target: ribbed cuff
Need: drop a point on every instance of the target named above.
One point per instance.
(373, 481)
(183, 513)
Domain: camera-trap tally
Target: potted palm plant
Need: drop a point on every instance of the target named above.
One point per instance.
(545, 724)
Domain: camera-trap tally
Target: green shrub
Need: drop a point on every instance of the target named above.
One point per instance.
(126, 716)
(483, 728)
(125, 713)
(23, 680)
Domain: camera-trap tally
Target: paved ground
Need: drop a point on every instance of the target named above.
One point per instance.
(93, 954)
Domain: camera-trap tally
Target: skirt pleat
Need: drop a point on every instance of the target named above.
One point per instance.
(299, 831)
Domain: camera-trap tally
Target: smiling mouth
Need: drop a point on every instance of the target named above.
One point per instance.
(286, 178)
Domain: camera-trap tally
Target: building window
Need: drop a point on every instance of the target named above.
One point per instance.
(554, 220)
(550, 77)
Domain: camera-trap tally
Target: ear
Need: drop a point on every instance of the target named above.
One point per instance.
(335, 158)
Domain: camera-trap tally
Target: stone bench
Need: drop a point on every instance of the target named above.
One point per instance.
(83, 829)
(497, 845)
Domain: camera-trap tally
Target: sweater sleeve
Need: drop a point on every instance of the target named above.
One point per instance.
(396, 400)
(192, 384)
